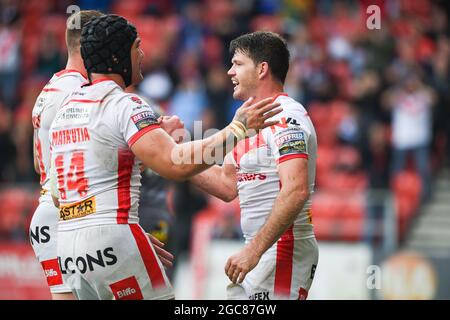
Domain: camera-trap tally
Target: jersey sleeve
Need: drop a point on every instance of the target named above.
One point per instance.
(287, 141)
(135, 119)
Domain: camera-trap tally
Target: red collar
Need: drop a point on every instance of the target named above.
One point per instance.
(280, 94)
(97, 81)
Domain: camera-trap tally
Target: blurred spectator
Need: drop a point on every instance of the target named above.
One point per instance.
(10, 58)
(227, 227)
(339, 71)
(187, 201)
(218, 90)
(189, 100)
(50, 59)
(411, 105)
(7, 146)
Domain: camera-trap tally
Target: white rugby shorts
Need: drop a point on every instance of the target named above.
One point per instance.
(112, 261)
(284, 272)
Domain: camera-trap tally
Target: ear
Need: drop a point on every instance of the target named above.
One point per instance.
(263, 70)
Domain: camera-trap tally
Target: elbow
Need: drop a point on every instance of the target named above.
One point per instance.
(299, 197)
(55, 201)
(228, 196)
(304, 195)
(177, 174)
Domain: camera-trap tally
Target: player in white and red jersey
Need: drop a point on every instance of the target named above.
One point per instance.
(273, 174)
(99, 139)
(43, 227)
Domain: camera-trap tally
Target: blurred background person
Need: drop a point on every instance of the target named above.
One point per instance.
(339, 69)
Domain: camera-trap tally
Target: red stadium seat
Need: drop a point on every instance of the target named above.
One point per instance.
(13, 203)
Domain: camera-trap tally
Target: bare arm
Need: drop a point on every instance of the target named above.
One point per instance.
(219, 181)
(290, 200)
(157, 150)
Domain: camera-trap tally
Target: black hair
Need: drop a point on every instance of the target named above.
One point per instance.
(264, 46)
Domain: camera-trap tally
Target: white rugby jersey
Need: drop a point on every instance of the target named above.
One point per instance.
(256, 160)
(98, 176)
(47, 104)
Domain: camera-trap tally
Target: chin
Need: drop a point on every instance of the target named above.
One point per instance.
(239, 96)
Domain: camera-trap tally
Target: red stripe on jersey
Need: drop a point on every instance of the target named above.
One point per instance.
(141, 132)
(280, 94)
(60, 73)
(125, 168)
(51, 90)
(52, 272)
(101, 80)
(283, 271)
(96, 81)
(148, 256)
(291, 156)
(82, 101)
(40, 162)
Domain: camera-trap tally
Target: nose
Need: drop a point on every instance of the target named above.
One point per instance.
(231, 72)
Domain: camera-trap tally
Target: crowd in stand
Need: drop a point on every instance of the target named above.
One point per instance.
(380, 99)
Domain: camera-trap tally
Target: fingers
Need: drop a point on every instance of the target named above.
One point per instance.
(227, 266)
(163, 253)
(242, 276)
(166, 263)
(235, 276)
(234, 272)
(269, 123)
(248, 102)
(154, 240)
(269, 107)
(263, 103)
(270, 114)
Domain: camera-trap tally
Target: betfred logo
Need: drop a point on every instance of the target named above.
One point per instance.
(126, 289)
(52, 272)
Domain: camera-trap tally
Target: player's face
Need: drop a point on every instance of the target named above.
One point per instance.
(136, 59)
(244, 75)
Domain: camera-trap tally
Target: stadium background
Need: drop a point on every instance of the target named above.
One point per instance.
(383, 229)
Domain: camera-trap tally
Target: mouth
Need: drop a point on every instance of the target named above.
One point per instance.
(235, 84)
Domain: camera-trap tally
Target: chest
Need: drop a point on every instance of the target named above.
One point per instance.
(253, 155)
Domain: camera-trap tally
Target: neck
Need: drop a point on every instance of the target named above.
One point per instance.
(75, 62)
(111, 76)
(268, 90)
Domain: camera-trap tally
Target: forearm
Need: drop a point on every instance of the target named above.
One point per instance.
(215, 183)
(285, 209)
(194, 157)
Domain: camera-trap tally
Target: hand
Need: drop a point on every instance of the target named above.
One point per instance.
(173, 126)
(253, 116)
(240, 264)
(163, 255)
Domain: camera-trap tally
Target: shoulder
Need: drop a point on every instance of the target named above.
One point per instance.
(131, 105)
(293, 114)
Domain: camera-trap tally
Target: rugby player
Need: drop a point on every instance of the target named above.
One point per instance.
(43, 227)
(273, 174)
(99, 139)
